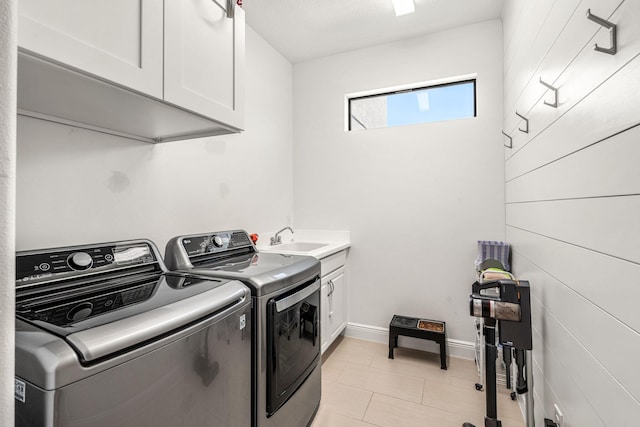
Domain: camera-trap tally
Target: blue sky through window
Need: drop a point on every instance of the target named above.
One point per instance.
(431, 105)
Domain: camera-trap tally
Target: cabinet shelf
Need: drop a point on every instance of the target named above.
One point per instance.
(52, 92)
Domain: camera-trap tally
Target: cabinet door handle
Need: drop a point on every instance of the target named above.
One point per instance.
(230, 5)
(230, 10)
(331, 300)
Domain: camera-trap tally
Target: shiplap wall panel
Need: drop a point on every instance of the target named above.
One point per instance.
(599, 278)
(580, 380)
(559, 17)
(556, 296)
(567, 391)
(549, 389)
(607, 168)
(572, 205)
(587, 70)
(544, 397)
(521, 77)
(575, 37)
(534, 16)
(610, 225)
(591, 67)
(512, 34)
(513, 9)
(611, 108)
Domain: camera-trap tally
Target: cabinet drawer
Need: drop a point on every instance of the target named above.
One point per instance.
(332, 262)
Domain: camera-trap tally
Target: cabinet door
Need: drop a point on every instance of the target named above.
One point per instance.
(336, 308)
(324, 303)
(117, 40)
(204, 58)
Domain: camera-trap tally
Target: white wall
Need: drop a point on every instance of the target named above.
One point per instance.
(77, 186)
(572, 203)
(8, 52)
(415, 198)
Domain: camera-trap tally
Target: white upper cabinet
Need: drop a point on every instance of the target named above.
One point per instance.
(202, 76)
(151, 70)
(116, 40)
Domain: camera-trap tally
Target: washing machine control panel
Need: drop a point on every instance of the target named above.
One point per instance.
(83, 305)
(215, 242)
(46, 265)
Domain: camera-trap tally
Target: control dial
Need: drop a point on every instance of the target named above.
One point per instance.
(217, 241)
(80, 261)
(80, 311)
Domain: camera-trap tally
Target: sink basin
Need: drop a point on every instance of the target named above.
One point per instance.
(298, 247)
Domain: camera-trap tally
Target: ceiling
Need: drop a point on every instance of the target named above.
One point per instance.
(307, 29)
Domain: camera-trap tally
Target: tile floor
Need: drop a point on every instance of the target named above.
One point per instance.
(362, 387)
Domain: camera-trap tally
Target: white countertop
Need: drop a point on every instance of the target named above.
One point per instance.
(333, 242)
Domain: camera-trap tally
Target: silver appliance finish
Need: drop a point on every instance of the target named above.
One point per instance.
(105, 337)
(232, 255)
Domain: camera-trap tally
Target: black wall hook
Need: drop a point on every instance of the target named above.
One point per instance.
(510, 140)
(526, 123)
(612, 33)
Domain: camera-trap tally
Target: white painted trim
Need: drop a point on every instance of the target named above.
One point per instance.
(8, 102)
(367, 333)
(461, 349)
(409, 86)
(455, 348)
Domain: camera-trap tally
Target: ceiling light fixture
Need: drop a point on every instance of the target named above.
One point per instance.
(403, 7)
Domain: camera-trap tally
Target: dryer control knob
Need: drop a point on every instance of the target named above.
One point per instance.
(80, 261)
(217, 241)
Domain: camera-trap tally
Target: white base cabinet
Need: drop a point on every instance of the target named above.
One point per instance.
(333, 298)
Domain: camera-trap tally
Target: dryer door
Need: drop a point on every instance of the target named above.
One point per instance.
(293, 341)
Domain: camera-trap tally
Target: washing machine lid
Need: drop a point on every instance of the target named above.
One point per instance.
(232, 255)
(102, 303)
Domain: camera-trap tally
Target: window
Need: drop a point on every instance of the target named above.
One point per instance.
(422, 104)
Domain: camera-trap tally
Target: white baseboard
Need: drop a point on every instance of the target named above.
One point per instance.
(455, 348)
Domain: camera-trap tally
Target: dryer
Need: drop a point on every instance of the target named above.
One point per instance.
(285, 291)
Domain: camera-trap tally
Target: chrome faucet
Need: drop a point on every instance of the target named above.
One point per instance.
(276, 239)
